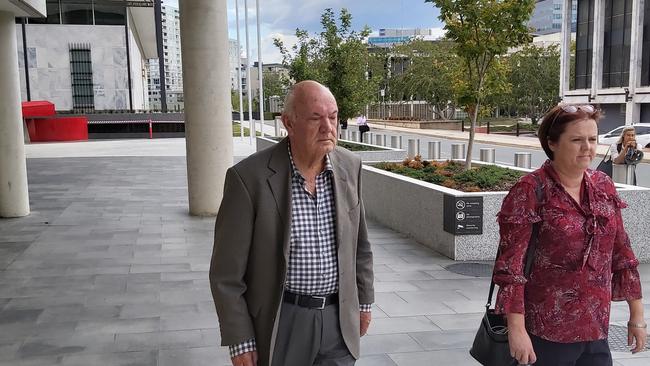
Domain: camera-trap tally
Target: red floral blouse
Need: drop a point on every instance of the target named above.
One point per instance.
(582, 262)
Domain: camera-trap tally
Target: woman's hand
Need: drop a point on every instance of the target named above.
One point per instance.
(636, 327)
(521, 348)
(636, 336)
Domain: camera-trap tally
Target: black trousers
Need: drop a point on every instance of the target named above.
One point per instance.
(592, 353)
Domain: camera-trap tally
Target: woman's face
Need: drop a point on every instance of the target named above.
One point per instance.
(576, 147)
(629, 136)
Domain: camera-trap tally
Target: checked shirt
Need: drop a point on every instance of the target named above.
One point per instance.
(313, 266)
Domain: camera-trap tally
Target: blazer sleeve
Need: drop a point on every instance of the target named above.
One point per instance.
(232, 243)
(365, 275)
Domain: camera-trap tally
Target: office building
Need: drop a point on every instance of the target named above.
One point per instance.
(611, 60)
(547, 16)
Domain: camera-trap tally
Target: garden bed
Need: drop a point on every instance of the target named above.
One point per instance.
(419, 209)
(451, 174)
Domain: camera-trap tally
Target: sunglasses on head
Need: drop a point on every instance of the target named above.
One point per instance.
(572, 108)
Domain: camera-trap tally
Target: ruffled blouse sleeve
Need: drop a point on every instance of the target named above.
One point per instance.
(626, 282)
(516, 218)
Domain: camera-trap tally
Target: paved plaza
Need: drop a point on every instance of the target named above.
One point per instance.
(109, 269)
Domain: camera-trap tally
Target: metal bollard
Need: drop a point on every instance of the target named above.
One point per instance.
(354, 135)
(523, 160)
(623, 173)
(457, 151)
(394, 142)
(378, 139)
(277, 123)
(434, 150)
(487, 155)
(413, 147)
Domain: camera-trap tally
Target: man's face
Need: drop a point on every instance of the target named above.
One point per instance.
(312, 129)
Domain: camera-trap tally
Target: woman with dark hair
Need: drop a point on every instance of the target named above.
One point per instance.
(559, 314)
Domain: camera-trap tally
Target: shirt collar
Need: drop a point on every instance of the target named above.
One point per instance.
(296, 172)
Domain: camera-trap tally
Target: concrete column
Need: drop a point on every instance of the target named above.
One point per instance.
(598, 48)
(632, 112)
(14, 196)
(206, 84)
(565, 52)
(633, 109)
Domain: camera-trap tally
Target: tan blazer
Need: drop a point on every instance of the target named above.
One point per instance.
(251, 248)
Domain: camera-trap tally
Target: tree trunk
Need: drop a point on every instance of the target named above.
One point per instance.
(472, 133)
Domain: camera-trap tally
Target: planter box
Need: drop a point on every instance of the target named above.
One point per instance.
(385, 154)
(415, 208)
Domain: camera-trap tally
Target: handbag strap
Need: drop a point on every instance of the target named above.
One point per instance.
(532, 243)
(607, 154)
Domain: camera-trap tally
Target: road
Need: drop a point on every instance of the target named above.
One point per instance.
(503, 154)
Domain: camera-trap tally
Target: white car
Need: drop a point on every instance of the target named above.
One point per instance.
(642, 135)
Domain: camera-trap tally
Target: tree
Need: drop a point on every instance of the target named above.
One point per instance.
(337, 58)
(535, 79)
(431, 75)
(482, 30)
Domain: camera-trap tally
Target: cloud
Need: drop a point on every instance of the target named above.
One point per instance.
(280, 18)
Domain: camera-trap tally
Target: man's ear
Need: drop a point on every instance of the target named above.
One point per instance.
(287, 122)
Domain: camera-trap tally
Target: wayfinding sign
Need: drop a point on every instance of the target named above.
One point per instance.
(463, 215)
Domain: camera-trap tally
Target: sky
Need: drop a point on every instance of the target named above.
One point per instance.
(280, 18)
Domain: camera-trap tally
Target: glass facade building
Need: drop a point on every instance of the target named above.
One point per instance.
(610, 64)
(88, 12)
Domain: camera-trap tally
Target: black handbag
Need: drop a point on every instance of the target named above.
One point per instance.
(490, 346)
(605, 165)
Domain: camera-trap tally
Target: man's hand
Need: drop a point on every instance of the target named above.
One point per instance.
(245, 359)
(365, 317)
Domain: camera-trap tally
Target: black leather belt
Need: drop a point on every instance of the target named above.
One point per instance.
(310, 301)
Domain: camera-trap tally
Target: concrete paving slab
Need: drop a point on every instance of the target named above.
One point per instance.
(110, 270)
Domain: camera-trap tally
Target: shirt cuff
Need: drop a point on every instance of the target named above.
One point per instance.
(626, 285)
(510, 299)
(365, 308)
(246, 346)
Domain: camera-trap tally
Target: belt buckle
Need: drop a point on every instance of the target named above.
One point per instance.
(323, 298)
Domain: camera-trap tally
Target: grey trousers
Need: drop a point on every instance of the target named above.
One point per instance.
(310, 337)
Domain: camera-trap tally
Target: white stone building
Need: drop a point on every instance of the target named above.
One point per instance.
(87, 56)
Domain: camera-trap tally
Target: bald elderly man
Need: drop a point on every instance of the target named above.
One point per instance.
(291, 272)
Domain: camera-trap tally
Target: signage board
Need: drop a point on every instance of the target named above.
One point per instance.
(463, 215)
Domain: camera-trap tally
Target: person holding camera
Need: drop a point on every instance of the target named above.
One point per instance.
(626, 150)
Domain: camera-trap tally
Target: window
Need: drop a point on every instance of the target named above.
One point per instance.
(617, 38)
(82, 77)
(584, 44)
(110, 14)
(53, 14)
(76, 12)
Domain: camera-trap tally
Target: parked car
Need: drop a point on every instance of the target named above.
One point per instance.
(642, 135)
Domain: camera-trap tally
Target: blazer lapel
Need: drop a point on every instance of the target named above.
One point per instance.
(280, 184)
(341, 195)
